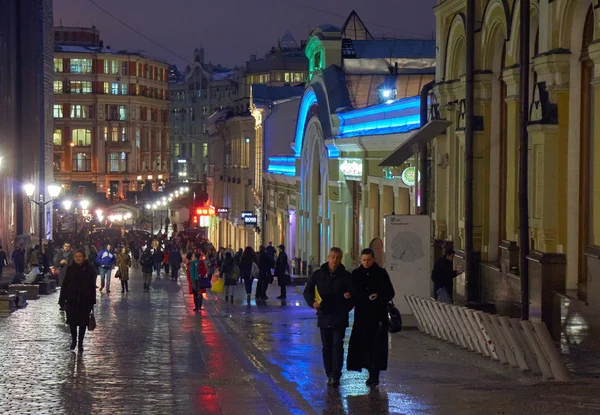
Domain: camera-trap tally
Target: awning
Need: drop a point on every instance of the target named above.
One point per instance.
(418, 139)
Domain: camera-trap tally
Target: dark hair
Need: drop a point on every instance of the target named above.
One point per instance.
(248, 255)
(449, 252)
(189, 256)
(80, 251)
(367, 251)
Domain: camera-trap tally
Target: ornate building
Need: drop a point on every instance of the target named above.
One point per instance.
(564, 152)
(111, 130)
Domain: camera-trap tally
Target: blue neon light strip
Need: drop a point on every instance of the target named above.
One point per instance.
(362, 127)
(282, 159)
(333, 152)
(309, 99)
(401, 104)
(280, 169)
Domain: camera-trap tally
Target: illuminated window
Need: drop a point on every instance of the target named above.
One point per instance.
(81, 87)
(115, 67)
(205, 150)
(105, 133)
(78, 111)
(81, 65)
(58, 87)
(123, 134)
(58, 65)
(137, 89)
(57, 137)
(58, 111)
(124, 89)
(122, 112)
(106, 88)
(298, 77)
(115, 88)
(287, 77)
(118, 162)
(81, 137)
(82, 162)
(176, 149)
(115, 134)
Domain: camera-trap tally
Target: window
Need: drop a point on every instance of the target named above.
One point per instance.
(176, 149)
(118, 163)
(81, 137)
(82, 162)
(205, 150)
(124, 89)
(57, 162)
(138, 69)
(105, 133)
(124, 68)
(58, 87)
(115, 88)
(106, 66)
(114, 134)
(78, 111)
(123, 134)
(106, 88)
(111, 112)
(81, 65)
(287, 77)
(298, 77)
(58, 65)
(58, 111)
(81, 87)
(57, 137)
(137, 89)
(122, 112)
(114, 67)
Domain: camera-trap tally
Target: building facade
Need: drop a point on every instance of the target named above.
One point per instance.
(111, 117)
(360, 103)
(26, 52)
(564, 189)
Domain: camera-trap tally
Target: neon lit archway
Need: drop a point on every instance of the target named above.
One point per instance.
(308, 100)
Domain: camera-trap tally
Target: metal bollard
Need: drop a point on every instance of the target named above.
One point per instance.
(516, 348)
(507, 349)
(537, 350)
(559, 370)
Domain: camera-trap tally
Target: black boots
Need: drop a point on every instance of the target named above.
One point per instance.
(373, 378)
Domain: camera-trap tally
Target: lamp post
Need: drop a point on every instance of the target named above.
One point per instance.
(53, 191)
(83, 205)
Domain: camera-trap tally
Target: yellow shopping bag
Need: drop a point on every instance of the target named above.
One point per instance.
(218, 286)
(318, 298)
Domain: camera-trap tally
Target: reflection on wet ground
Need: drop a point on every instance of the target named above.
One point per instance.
(151, 354)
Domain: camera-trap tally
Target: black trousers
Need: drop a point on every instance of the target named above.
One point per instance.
(125, 285)
(74, 334)
(333, 351)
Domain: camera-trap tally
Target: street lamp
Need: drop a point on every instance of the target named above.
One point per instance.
(53, 191)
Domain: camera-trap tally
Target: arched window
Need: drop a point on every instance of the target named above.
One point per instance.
(81, 137)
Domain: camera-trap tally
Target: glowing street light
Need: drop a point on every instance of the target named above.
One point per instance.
(84, 204)
(67, 204)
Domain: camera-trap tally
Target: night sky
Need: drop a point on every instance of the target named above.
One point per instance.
(231, 30)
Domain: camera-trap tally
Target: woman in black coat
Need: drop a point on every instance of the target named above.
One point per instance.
(368, 347)
(78, 296)
(282, 268)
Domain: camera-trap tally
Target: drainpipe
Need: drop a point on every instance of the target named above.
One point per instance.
(523, 159)
(423, 150)
(469, 138)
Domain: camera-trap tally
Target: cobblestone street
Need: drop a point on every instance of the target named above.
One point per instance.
(151, 354)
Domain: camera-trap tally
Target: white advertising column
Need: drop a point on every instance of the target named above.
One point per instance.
(407, 259)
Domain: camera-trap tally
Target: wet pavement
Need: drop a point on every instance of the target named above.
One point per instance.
(151, 354)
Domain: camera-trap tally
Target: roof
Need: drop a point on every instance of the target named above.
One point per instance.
(268, 94)
(279, 61)
(98, 49)
(219, 76)
(394, 48)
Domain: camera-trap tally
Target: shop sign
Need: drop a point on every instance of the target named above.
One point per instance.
(351, 167)
(251, 220)
(246, 213)
(205, 221)
(222, 210)
(408, 176)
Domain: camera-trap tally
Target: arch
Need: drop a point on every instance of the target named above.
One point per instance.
(455, 49)
(513, 46)
(495, 24)
(571, 16)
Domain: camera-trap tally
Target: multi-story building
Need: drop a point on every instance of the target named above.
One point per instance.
(111, 131)
(26, 76)
(201, 90)
(236, 146)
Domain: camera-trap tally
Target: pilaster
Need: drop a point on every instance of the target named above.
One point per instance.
(511, 79)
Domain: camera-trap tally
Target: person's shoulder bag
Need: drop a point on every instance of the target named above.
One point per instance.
(394, 317)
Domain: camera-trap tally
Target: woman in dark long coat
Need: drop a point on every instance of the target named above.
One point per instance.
(368, 347)
(78, 296)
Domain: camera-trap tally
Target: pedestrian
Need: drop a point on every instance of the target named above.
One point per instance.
(229, 275)
(44, 259)
(62, 259)
(107, 259)
(158, 257)
(3, 260)
(443, 275)
(248, 270)
(136, 252)
(282, 268)
(335, 289)
(265, 265)
(32, 261)
(271, 251)
(211, 261)
(175, 261)
(187, 264)
(78, 296)
(147, 262)
(368, 346)
(167, 251)
(198, 270)
(18, 257)
(123, 264)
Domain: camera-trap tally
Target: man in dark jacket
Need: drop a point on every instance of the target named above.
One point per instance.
(443, 275)
(333, 303)
(18, 257)
(175, 261)
(282, 269)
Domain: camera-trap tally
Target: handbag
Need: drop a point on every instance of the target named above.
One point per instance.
(394, 317)
(218, 286)
(92, 322)
(118, 274)
(255, 271)
(204, 282)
